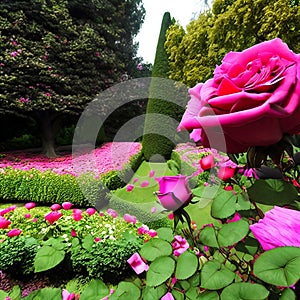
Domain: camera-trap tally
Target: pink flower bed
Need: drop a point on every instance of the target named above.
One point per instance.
(110, 156)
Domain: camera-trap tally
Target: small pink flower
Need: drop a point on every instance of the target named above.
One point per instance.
(112, 213)
(67, 205)
(97, 53)
(179, 245)
(228, 188)
(90, 211)
(73, 233)
(129, 219)
(27, 216)
(97, 239)
(135, 180)
(152, 233)
(4, 223)
(171, 216)
(55, 206)
(45, 57)
(34, 220)
(14, 54)
(14, 43)
(143, 229)
(137, 263)
(48, 94)
(101, 214)
(129, 187)
(77, 214)
(53, 216)
(225, 173)
(14, 232)
(207, 162)
(30, 205)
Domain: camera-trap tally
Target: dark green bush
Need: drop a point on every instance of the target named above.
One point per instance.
(17, 255)
(106, 260)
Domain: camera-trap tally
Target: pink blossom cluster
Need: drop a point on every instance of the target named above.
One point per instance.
(110, 156)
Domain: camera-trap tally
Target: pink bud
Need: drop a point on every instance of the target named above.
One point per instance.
(90, 211)
(226, 173)
(55, 206)
(129, 219)
(129, 187)
(14, 232)
(207, 162)
(30, 205)
(67, 205)
(73, 233)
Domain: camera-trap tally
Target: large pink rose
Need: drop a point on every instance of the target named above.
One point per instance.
(252, 100)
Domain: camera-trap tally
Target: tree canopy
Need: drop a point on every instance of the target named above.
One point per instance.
(57, 55)
(231, 25)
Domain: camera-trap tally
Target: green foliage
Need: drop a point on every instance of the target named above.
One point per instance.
(17, 255)
(229, 26)
(107, 260)
(160, 111)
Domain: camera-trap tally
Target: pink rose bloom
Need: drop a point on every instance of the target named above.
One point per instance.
(30, 205)
(252, 100)
(14, 232)
(67, 205)
(207, 162)
(77, 214)
(90, 211)
(168, 296)
(129, 219)
(137, 263)
(225, 173)
(279, 227)
(143, 229)
(53, 216)
(73, 233)
(4, 223)
(179, 245)
(55, 206)
(7, 210)
(174, 192)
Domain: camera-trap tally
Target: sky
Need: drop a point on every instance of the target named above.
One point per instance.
(182, 11)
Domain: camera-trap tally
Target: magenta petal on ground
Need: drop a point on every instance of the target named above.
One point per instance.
(129, 187)
(151, 173)
(280, 227)
(145, 183)
(137, 263)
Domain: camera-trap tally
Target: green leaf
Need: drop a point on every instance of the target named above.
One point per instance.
(279, 266)
(187, 265)
(160, 270)
(272, 192)
(287, 294)
(88, 242)
(125, 291)
(3, 295)
(57, 243)
(243, 202)
(15, 293)
(47, 258)
(232, 233)
(215, 276)
(151, 293)
(223, 205)
(177, 295)
(193, 294)
(155, 248)
(165, 233)
(208, 237)
(95, 290)
(45, 293)
(248, 245)
(244, 291)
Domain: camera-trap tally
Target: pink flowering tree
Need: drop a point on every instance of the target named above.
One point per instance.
(53, 64)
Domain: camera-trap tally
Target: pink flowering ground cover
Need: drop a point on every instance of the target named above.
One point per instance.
(110, 156)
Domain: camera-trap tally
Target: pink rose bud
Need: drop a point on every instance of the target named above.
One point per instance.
(55, 206)
(174, 192)
(14, 232)
(137, 263)
(67, 205)
(90, 211)
(207, 162)
(30, 205)
(151, 173)
(226, 173)
(97, 239)
(73, 233)
(27, 216)
(152, 233)
(145, 183)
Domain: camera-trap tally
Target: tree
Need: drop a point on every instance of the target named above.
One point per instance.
(57, 55)
(231, 25)
(157, 135)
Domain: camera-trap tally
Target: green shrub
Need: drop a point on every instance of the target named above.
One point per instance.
(106, 260)
(17, 255)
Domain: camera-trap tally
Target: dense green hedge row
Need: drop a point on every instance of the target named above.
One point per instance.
(49, 187)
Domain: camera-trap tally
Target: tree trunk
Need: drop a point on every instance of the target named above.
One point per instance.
(46, 121)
